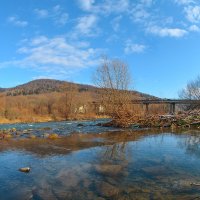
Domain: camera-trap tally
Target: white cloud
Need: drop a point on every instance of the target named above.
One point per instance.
(116, 22)
(43, 77)
(194, 28)
(167, 32)
(140, 15)
(56, 14)
(39, 40)
(184, 2)
(140, 12)
(86, 25)
(134, 48)
(55, 55)
(191, 8)
(116, 6)
(105, 7)
(41, 13)
(56, 8)
(86, 4)
(62, 20)
(59, 16)
(193, 13)
(15, 21)
(149, 18)
(146, 2)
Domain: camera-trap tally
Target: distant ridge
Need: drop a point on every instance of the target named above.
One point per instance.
(42, 86)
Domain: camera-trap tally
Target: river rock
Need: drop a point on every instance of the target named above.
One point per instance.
(106, 190)
(13, 130)
(46, 135)
(25, 132)
(8, 135)
(32, 136)
(98, 124)
(18, 133)
(182, 185)
(61, 192)
(79, 125)
(155, 170)
(109, 169)
(25, 169)
(45, 128)
(19, 193)
(86, 183)
(53, 136)
(68, 179)
(43, 194)
(99, 198)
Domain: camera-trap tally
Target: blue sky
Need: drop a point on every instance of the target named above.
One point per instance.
(65, 39)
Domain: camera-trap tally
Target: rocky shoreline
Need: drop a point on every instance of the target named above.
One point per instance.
(183, 119)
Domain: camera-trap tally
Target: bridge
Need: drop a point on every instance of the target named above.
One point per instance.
(171, 102)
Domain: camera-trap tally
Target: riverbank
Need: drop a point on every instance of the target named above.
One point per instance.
(178, 121)
(43, 119)
(184, 119)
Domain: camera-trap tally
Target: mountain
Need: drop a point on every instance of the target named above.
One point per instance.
(53, 100)
(42, 86)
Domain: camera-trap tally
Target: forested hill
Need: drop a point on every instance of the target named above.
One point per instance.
(42, 86)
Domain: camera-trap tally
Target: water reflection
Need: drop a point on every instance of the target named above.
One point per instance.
(192, 144)
(120, 165)
(70, 143)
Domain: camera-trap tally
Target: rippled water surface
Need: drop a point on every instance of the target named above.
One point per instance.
(123, 165)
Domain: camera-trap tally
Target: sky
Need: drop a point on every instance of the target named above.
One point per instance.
(65, 39)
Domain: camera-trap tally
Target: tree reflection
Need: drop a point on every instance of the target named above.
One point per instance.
(114, 142)
(115, 152)
(192, 144)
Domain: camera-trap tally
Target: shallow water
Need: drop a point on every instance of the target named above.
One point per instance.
(61, 128)
(147, 164)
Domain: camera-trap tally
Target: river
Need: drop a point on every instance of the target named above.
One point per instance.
(95, 163)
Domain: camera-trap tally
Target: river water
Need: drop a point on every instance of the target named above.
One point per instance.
(92, 162)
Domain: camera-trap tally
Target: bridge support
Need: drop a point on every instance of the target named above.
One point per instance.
(172, 108)
(146, 108)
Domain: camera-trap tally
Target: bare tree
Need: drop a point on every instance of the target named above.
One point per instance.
(114, 78)
(191, 91)
(71, 100)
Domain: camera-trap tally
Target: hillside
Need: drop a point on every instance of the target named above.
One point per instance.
(42, 86)
(47, 100)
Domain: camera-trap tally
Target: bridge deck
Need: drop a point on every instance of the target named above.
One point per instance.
(161, 101)
(166, 101)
